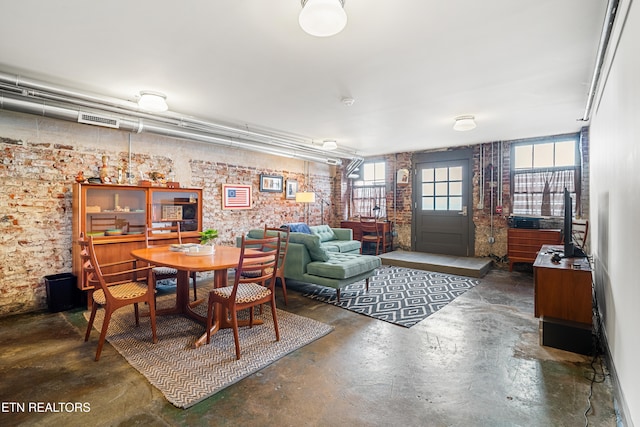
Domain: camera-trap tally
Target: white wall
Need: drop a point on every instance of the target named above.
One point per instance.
(615, 207)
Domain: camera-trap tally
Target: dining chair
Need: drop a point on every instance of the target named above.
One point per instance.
(116, 289)
(283, 232)
(161, 273)
(370, 233)
(248, 292)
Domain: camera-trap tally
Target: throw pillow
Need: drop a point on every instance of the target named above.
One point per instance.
(312, 243)
(299, 227)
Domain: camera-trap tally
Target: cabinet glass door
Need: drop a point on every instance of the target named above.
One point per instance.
(115, 211)
(172, 207)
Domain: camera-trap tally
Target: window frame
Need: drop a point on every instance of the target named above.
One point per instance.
(576, 168)
(377, 186)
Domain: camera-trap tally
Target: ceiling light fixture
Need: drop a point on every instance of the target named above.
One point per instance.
(348, 101)
(322, 18)
(153, 101)
(329, 144)
(464, 123)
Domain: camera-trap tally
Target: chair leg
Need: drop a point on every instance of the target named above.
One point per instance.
(94, 308)
(284, 288)
(137, 313)
(367, 284)
(338, 294)
(275, 317)
(152, 319)
(103, 332)
(236, 334)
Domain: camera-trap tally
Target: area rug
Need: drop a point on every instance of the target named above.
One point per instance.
(187, 375)
(398, 295)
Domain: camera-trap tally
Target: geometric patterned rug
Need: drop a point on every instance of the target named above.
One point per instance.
(188, 375)
(398, 295)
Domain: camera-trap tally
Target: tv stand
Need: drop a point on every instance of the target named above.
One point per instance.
(563, 300)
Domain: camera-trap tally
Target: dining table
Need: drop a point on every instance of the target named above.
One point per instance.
(222, 259)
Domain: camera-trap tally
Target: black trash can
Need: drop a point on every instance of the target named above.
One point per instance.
(62, 293)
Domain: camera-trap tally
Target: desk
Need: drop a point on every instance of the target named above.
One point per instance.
(225, 257)
(563, 300)
(384, 227)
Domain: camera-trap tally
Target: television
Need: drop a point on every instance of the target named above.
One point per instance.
(568, 224)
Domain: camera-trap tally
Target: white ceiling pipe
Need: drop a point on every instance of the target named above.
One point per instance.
(41, 108)
(41, 90)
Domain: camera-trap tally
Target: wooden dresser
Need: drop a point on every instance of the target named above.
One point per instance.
(524, 243)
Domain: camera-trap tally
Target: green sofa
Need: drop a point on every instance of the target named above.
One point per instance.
(332, 263)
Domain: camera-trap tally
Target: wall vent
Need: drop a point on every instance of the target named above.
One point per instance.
(97, 120)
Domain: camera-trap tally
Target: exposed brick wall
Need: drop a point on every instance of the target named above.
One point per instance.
(40, 158)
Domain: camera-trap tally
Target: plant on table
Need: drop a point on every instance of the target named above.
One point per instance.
(207, 236)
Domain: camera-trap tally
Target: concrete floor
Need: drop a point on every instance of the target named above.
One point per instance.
(476, 362)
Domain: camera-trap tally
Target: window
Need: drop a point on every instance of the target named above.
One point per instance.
(442, 189)
(369, 192)
(540, 171)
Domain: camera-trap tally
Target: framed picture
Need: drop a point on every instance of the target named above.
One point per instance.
(271, 183)
(292, 189)
(236, 196)
(171, 213)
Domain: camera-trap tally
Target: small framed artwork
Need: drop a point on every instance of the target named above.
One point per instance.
(292, 189)
(236, 196)
(271, 183)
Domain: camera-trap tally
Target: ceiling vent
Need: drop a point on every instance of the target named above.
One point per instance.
(97, 120)
(333, 162)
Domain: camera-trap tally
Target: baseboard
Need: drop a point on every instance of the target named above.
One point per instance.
(619, 402)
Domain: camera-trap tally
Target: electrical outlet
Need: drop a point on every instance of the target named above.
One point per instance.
(492, 240)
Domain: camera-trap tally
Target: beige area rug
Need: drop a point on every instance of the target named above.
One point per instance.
(187, 375)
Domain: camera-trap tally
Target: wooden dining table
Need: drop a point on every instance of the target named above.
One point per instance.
(224, 257)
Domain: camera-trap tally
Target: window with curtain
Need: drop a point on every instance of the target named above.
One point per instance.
(369, 191)
(540, 171)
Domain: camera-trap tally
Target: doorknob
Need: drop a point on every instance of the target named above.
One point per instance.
(463, 212)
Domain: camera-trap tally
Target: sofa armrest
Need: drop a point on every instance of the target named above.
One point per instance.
(343, 233)
(295, 265)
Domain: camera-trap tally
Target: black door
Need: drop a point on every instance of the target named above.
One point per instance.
(442, 196)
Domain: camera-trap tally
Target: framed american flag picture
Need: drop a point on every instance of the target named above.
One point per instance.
(236, 196)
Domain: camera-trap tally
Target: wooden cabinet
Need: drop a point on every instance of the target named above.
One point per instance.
(385, 228)
(562, 289)
(524, 244)
(118, 215)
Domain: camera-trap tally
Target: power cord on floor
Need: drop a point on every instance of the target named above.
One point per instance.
(599, 351)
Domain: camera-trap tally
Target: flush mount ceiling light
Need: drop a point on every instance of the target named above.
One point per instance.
(329, 144)
(322, 18)
(153, 101)
(464, 123)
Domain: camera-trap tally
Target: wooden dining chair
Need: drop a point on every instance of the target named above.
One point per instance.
(370, 233)
(283, 232)
(161, 273)
(248, 292)
(116, 289)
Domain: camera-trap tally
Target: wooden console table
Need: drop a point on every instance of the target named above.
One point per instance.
(563, 300)
(384, 227)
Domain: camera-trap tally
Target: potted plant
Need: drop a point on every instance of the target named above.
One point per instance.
(207, 236)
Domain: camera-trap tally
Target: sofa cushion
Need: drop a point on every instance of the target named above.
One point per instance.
(312, 243)
(324, 231)
(299, 227)
(342, 246)
(343, 266)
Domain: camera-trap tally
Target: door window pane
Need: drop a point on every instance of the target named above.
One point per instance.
(427, 175)
(441, 189)
(455, 174)
(455, 203)
(455, 188)
(441, 174)
(427, 189)
(427, 203)
(441, 203)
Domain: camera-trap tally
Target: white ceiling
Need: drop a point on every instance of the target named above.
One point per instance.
(522, 67)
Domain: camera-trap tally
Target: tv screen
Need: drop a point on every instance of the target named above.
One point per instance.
(568, 223)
